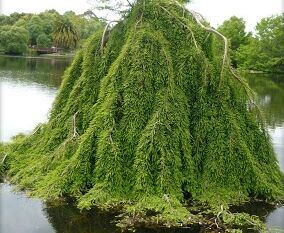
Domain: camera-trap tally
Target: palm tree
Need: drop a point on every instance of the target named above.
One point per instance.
(65, 33)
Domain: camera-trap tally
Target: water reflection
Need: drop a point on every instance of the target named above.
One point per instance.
(66, 218)
(270, 90)
(44, 71)
(277, 136)
(28, 87)
(20, 214)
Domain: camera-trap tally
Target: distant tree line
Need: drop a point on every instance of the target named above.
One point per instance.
(18, 31)
(262, 51)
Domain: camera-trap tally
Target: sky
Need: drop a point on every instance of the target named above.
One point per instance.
(215, 11)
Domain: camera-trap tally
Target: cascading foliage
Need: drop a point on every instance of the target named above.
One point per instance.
(145, 116)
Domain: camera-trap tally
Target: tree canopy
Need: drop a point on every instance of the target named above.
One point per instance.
(43, 28)
(234, 30)
(65, 33)
(261, 51)
(13, 40)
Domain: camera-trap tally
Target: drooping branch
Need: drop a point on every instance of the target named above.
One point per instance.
(225, 63)
(186, 26)
(196, 16)
(209, 29)
(249, 92)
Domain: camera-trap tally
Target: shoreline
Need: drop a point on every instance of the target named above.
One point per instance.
(45, 56)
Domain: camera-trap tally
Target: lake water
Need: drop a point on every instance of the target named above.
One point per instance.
(270, 90)
(29, 85)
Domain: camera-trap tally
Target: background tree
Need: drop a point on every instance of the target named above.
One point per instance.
(249, 56)
(11, 19)
(234, 30)
(265, 51)
(22, 22)
(41, 27)
(35, 28)
(48, 20)
(43, 41)
(13, 40)
(65, 33)
(270, 35)
(86, 25)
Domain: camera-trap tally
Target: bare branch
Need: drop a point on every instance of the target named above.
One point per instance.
(104, 34)
(4, 158)
(75, 134)
(129, 3)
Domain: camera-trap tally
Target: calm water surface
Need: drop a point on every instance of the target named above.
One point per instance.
(270, 90)
(28, 87)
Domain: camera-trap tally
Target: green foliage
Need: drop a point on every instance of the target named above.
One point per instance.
(120, 6)
(145, 118)
(41, 27)
(35, 28)
(234, 30)
(65, 33)
(3, 161)
(13, 40)
(22, 22)
(265, 51)
(244, 219)
(88, 27)
(10, 20)
(48, 20)
(43, 41)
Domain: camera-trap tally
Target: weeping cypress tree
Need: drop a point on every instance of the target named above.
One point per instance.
(149, 111)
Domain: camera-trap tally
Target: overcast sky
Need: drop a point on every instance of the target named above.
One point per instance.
(215, 11)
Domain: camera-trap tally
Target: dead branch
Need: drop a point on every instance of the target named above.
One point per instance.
(214, 223)
(219, 213)
(225, 56)
(129, 3)
(75, 133)
(4, 158)
(104, 36)
(249, 92)
(105, 33)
